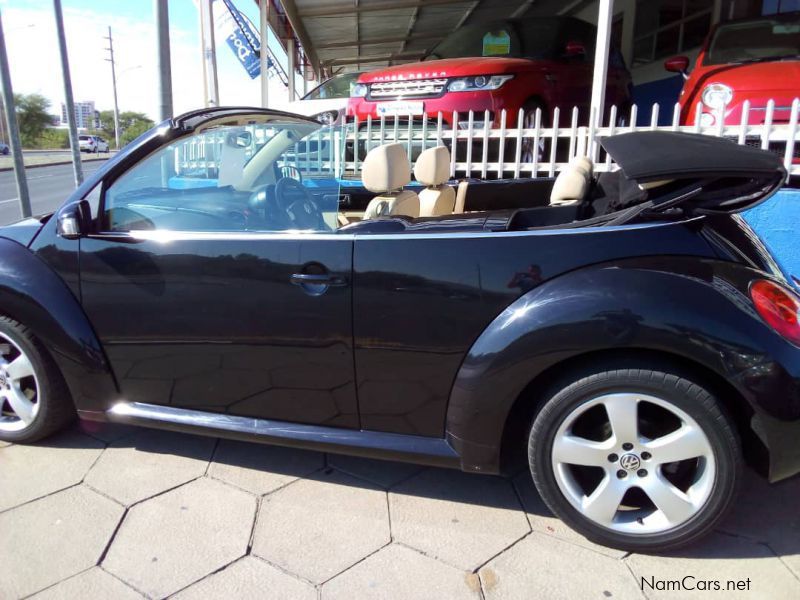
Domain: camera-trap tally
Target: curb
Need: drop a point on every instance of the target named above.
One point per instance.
(54, 164)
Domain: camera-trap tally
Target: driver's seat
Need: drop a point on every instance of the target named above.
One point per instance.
(385, 171)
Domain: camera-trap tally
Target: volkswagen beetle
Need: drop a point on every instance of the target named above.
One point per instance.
(627, 334)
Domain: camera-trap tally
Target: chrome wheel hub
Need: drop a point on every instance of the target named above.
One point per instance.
(19, 388)
(633, 463)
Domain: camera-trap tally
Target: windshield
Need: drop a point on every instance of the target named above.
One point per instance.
(755, 41)
(529, 38)
(335, 87)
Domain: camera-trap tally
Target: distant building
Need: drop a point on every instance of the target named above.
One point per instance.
(86, 117)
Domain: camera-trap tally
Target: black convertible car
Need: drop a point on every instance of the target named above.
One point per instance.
(628, 332)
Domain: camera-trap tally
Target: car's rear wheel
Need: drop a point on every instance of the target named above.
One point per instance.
(637, 459)
(34, 401)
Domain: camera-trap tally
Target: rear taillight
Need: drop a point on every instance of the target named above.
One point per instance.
(779, 307)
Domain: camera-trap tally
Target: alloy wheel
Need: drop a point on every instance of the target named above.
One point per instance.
(19, 387)
(633, 463)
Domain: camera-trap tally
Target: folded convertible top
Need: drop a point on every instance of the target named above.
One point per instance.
(650, 155)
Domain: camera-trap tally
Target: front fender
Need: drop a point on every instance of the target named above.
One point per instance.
(684, 306)
(33, 294)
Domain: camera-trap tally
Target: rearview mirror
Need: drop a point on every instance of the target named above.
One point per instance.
(677, 64)
(574, 49)
(73, 220)
(243, 139)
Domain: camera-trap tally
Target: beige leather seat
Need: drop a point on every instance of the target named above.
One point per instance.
(573, 182)
(433, 170)
(385, 171)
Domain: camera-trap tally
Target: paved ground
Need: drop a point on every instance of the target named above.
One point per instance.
(49, 187)
(125, 513)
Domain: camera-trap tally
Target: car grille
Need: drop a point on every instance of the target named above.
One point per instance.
(414, 88)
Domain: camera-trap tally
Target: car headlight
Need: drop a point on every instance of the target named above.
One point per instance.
(717, 96)
(329, 117)
(480, 82)
(359, 90)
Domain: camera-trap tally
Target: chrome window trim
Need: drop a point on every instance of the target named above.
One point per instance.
(166, 236)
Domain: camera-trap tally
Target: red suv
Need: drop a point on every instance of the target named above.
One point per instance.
(511, 64)
(751, 59)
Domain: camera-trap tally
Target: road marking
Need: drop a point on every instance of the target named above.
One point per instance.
(7, 201)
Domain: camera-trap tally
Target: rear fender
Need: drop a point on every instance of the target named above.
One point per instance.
(693, 308)
(33, 294)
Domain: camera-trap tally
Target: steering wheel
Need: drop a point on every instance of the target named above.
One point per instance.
(296, 202)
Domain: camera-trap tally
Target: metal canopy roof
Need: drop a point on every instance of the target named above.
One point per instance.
(349, 35)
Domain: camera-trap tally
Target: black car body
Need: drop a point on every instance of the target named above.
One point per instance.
(426, 340)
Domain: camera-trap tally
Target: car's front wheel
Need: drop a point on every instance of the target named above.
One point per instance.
(635, 458)
(34, 400)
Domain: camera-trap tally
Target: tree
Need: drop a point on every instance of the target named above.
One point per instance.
(131, 124)
(32, 117)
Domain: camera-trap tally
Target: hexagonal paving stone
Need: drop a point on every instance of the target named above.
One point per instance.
(318, 527)
(384, 473)
(541, 566)
(170, 541)
(148, 463)
(30, 472)
(460, 518)
(400, 572)
(718, 557)
(768, 513)
(260, 469)
(53, 538)
(94, 583)
(107, 432)
(249, 578)
(544, 521)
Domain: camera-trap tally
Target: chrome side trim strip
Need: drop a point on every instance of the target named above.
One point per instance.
(426, 450)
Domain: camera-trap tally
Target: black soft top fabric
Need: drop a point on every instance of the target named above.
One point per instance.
(649, 155)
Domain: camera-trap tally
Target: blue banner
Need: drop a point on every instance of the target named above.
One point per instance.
(244, 42)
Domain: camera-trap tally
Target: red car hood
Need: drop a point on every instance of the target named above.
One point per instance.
(777, 75)
(447, 67)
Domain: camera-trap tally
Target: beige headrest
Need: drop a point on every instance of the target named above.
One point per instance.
(433, 166)
(386, 168)
(573, 182)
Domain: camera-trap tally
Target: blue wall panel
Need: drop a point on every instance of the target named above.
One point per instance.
(777, 222)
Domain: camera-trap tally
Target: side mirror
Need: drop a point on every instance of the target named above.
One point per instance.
(574, 49)
(678, 64)
(74, 220)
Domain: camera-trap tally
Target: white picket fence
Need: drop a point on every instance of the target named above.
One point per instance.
(479, 149)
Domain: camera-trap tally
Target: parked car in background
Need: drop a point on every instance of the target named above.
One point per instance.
(627, 335)
(4, 149)
(751, 60)
(328, 101)
(92, 143)
(514, 64)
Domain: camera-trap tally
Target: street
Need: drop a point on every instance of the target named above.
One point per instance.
(48, 186)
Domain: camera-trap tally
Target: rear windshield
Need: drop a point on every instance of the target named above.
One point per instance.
(84, 138)
(755, 41)
(522, 38)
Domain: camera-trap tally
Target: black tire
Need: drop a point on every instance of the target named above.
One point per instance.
(677, 389)
(56, 409)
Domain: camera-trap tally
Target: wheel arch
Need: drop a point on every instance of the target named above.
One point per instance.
(706, 326)
(32, 294)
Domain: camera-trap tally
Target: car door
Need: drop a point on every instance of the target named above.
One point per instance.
(204, 299)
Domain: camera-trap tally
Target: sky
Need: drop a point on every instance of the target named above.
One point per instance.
(32, 46)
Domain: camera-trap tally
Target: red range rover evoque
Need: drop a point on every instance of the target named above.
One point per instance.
(511, 64)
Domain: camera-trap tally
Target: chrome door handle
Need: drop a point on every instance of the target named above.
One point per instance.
(324, 279)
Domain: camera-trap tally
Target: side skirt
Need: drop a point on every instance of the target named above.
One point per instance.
(369, 444)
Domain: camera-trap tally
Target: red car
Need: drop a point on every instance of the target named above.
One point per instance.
(511, 64)
(751, 59)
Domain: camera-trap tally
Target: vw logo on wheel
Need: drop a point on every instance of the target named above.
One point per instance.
(630, 462)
